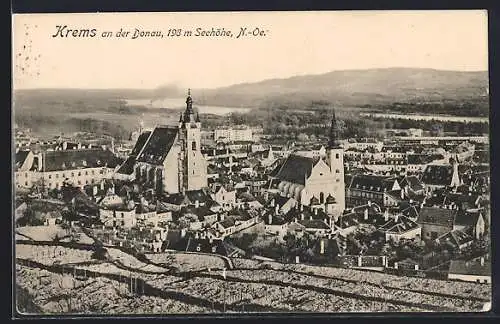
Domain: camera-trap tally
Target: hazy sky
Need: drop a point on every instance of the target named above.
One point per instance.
(297, 43)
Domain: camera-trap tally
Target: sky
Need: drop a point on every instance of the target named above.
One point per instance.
(296, 43)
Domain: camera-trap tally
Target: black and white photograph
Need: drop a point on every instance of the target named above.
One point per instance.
(221, 163)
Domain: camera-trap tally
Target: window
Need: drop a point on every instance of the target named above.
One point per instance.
(57, 175)
(50, 176)
(321, 198)
(79, 174)
(72, 174)
(86, 173)
(193, 145)
(337, 171)
(123, 215)
(92, 172)
(337, 156)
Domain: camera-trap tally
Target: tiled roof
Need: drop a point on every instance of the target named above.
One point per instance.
(413, 182)
(467, 218)
(439, 175)
(128, 166)
(21, 158)
(78, 159)
(402, 225)
(372, 183)
(314, 223)
(295, 169)
(437, 216)
(158, 145)
(455, 237)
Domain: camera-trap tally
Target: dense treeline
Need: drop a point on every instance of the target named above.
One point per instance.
(471, 108)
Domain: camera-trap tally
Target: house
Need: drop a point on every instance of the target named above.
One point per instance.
(226, 197)
(436, 221)
(370, 213)
(400, 227)
(275, 224)
(412, 187)
(282, 204)
(470, 221)
(317, 227)
(245, 200)
(474, 270)
(51, 169)
(116, 212)
(377, 189)
(455, 239)
(188, 198)
(438, 176)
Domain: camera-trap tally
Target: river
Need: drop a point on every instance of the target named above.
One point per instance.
(179, 103)
(443, 118)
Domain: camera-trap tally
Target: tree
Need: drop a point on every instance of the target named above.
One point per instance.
(302, 137)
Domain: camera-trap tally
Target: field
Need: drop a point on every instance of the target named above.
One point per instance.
(180, 282)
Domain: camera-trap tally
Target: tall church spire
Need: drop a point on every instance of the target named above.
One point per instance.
(189, 113)
(332, 136)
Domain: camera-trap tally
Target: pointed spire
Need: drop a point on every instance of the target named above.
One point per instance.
(332, 136)
(189, 108)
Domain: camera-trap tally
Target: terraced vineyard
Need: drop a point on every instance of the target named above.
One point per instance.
(250, 287)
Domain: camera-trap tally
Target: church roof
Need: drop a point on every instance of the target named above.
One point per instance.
(139, 144)
(295, 169)
(158, 145)
(128, 166)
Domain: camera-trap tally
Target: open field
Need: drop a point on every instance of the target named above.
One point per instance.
(249, 287)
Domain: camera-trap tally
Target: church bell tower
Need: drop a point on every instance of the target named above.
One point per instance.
(335, 159)
(192, 164)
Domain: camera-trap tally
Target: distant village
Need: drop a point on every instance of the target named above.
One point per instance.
(412, 204)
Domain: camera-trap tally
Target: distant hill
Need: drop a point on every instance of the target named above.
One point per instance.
(354, 87)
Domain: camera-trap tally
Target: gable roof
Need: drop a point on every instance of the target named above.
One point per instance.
(413, 182)
(467, 218)
(372, 183)
(314, 224)
(455, 237)
(158, 145)
(437, 174)
(21, 158)
(75, 159)
(401, 225)
(295, 169)
(437, 216)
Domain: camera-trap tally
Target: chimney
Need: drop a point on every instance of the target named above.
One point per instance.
(366, 213)
(221, 217)
(183, 232)
(270, 218)
(396, 218)
(322, 246)
(277, 209)
(482, 261)
(272, 202)
(301, 207)
(301, 216)
(402, 194)
(369, 203)
(315, 211)
(386, 215)
(197, 204)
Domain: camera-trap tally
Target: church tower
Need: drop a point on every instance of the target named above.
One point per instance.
(335, 159)
(192, 164)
